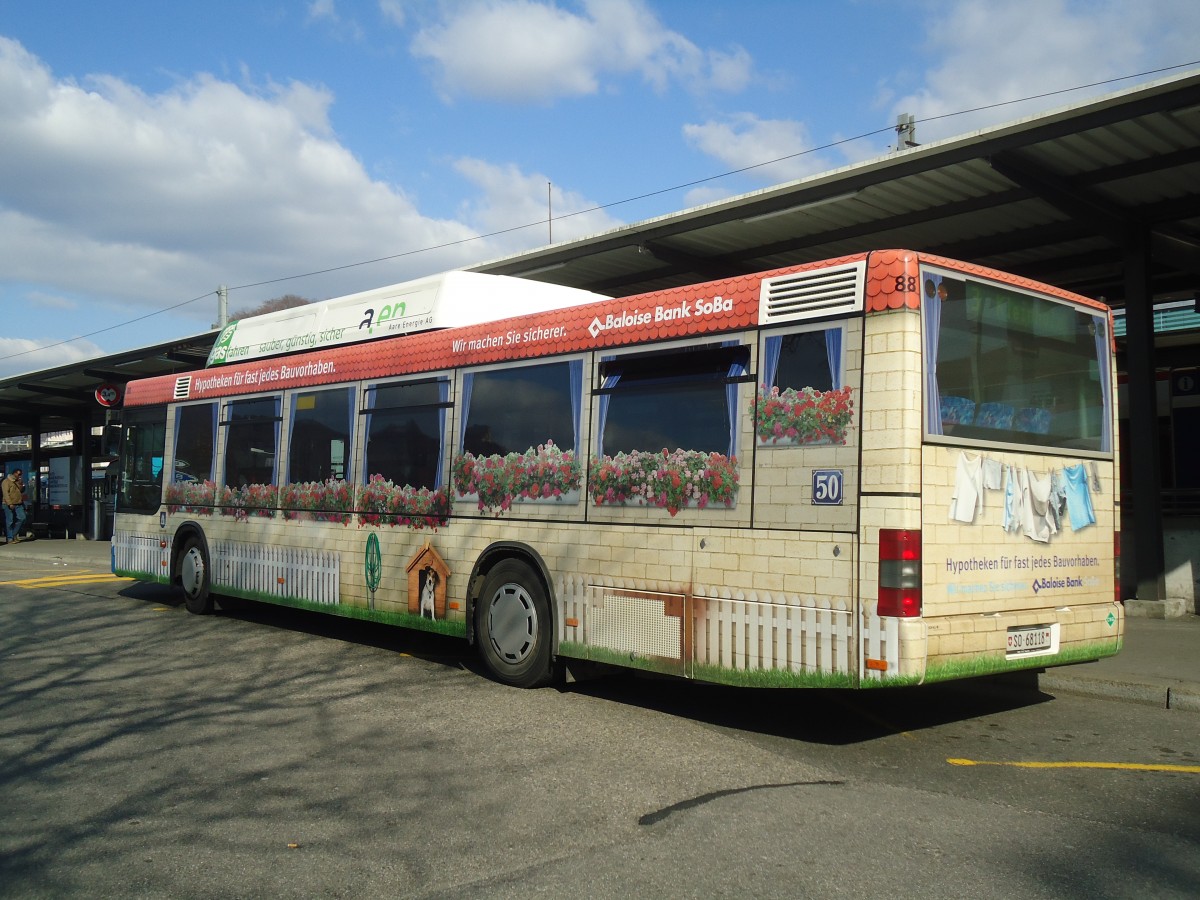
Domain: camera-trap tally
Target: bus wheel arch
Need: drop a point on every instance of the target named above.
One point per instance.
(510, 615)
(191, 569)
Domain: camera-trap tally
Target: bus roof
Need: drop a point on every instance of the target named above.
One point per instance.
(447, 300)
(691, 311)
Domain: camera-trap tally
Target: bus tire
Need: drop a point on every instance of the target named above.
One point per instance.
(194, 578)
(512, 620)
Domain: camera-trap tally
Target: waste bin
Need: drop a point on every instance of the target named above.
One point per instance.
(99, 529)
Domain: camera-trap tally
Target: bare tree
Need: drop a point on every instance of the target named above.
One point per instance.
(287, 301)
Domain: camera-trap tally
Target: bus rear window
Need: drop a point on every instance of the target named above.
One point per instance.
(1009, 367)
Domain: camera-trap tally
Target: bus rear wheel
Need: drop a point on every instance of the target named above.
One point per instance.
(194, 578)
(513, 624)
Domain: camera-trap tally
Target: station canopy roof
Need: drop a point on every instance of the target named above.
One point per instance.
(1060, 197)
(57, 399)
(1055, 197)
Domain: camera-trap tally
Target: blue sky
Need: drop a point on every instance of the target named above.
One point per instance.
(151, 151)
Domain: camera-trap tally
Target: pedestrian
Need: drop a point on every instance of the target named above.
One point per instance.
(12, 490)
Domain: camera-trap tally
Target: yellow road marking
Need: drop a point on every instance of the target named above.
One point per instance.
(1129, 767)
(65, 580)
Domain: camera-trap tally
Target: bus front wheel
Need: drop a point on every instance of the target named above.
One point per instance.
(194, 578)
(513, 624)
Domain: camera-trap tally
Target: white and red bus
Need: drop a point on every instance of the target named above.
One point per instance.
(884, 469)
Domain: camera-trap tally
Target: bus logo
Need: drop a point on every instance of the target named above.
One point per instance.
(220, 349)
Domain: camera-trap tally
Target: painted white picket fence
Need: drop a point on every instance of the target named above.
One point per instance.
(755, 631)
(299, 573)
(881, 640)
(762, 631)
(143, 554)
(571, 593)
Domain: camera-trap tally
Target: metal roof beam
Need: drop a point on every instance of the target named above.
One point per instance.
(1119, 224)
(618, 284)
(1104, 217)
(1019, 241)
(189, 359)
(1175, 249)
(708, 267)
(105, 375)
(1150, 165)
(740, 262)
(23, 409)
(76, 395)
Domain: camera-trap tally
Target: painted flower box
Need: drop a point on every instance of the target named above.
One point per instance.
(380, 502)
(317, 501)
(545, 474)
(669, 480)
(197, 498)
(790, 418)
(257, 500)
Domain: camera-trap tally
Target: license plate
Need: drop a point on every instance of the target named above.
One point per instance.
(1030, 639)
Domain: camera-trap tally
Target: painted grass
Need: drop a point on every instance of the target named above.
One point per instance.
(360, 613)
(624, 660)
(772, 678)
(778, 678)
(997, 663)
(142, 576)
(403, 620)
(754, 678)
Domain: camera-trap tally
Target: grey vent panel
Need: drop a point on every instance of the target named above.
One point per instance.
(807, 295)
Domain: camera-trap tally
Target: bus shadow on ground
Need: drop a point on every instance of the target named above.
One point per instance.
(818, 715)
(822, 715)
(434, 648)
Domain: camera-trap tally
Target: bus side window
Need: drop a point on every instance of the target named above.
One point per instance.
(252, 433)
(142, 452)
(321, 430)
(195, 442)
(404, 431)
(518, 408)
(671, 400)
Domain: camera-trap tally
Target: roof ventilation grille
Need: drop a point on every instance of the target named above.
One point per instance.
(183, 387)
(808, 295)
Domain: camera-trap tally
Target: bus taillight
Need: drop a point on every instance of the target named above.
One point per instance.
(899, 572)
(1117, 566)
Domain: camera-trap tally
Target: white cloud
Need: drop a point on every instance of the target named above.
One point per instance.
(21, 355)
(321, 9)
(978, 53)
(703, 195)
(115, 194)
(744, 140)
(126, 203)
(510, 197)
(326, 13)
(393, 11)
(730, 72)
(522, 50)
(989, 51)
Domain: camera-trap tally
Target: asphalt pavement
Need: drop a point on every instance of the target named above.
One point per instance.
(1159, 664)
